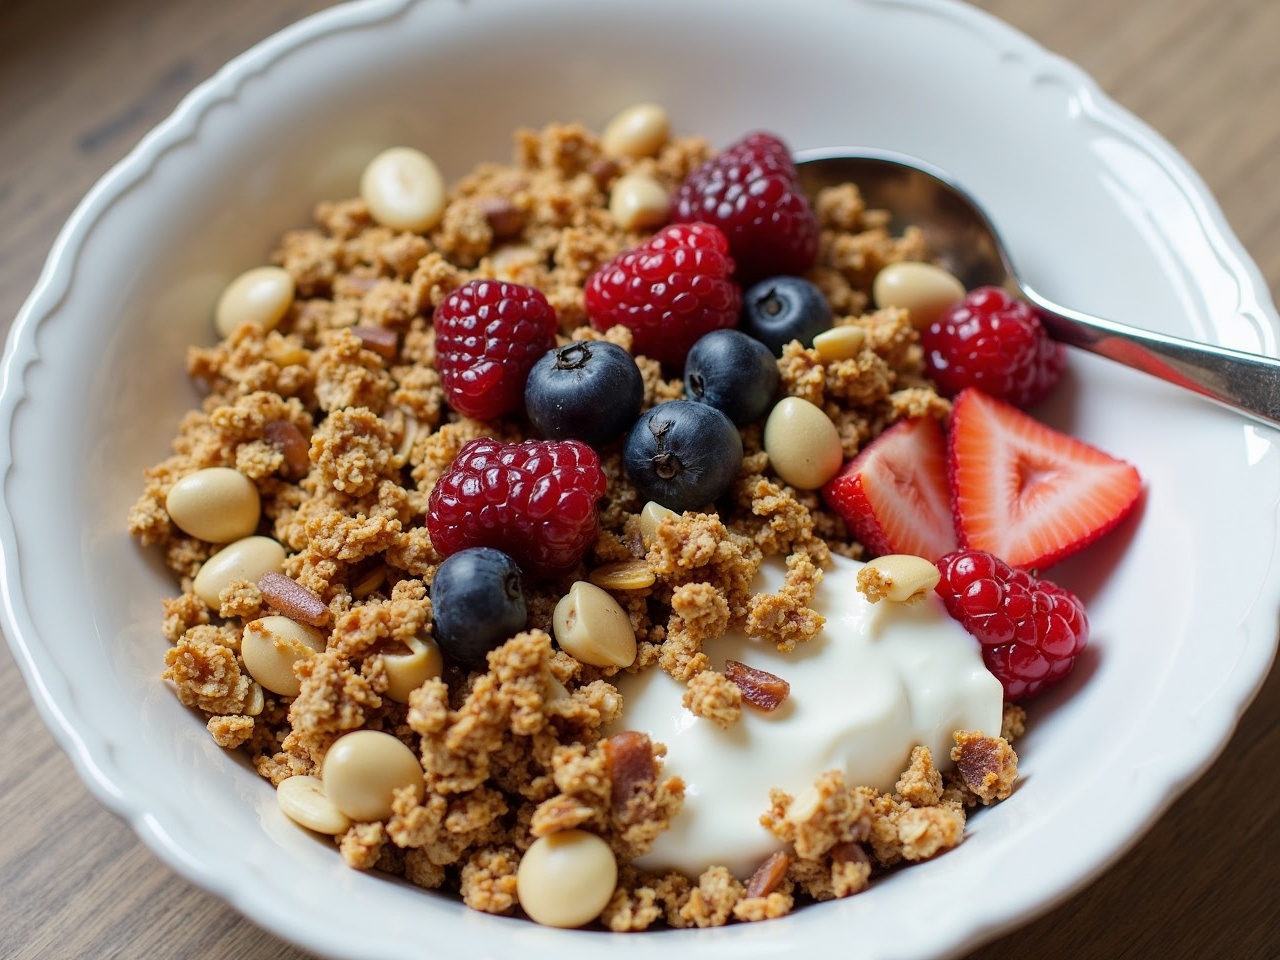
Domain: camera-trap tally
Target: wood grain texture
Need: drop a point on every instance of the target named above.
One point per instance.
(81, 81)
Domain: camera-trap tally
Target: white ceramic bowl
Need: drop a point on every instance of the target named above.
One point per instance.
(1100, 213)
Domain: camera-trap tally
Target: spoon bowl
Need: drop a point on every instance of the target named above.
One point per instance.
(963, 239)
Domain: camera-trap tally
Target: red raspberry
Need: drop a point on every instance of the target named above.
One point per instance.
(1031, 630)
(535, 501)
(996, 342)
(750, 191)
(488, 337)
(669, 291)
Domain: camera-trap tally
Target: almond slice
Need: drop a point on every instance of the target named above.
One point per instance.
(292, 599)
(768, 875)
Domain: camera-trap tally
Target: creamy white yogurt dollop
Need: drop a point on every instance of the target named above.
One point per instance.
(878, 680)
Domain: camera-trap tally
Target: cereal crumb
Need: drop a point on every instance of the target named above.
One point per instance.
(988, 765)
(714, 697)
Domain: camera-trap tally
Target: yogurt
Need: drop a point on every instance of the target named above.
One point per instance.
(878, 680)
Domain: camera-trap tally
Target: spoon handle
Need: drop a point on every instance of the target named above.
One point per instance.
(1247, 382)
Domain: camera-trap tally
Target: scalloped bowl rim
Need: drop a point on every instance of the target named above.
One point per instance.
(1152, 788)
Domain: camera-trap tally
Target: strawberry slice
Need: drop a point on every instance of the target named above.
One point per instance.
(1026, 492)
(893, 494)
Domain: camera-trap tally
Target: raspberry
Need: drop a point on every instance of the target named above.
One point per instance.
(669, 291)
(751, 192)
(1031, 630)
(996, 342)
(488, 336)
(535, 501)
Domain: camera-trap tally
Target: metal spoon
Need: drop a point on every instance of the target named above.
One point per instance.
(967, 244)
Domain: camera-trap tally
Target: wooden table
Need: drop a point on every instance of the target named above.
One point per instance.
(82, 80)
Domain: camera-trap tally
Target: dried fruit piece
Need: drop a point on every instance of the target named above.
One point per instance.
(988, 765)
(759, 687)
(385, 343)
(633, 772)
(288, 439)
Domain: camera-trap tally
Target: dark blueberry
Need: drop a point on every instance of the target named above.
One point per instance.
(732, 372)
(478, 603)
(683, 454)
(589, 391)
(783, 309)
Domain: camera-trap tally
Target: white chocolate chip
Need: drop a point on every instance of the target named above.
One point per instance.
(592, 627)
(261, 296)
(411, 668)
(217, 504)
(245, 559)
(638, 131)
(303, 800)
(363, 770)
(922, 289)
(404, 190)
(802, 443)
(638, 202)
(271, 646)
(565, 879)
(840, 343)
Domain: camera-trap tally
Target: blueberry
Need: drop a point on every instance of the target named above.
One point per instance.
(478, 603)
(683, 454)
(782, 309)
(589, 391)
(732, 372)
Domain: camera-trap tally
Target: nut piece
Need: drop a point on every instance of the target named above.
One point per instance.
(803, 444)
(261, 296)
(922, 289)
(898, 577)
(640, 130)
(565, 879)
(404, 190)
(768, 875)
(638, 202)
(651, 518)
(246, 559)
(590, 626)
(291, 599)
(409, 669)
(303, 800)
(216, 504)
(288, 439)
(840, 343)
(271, 646)
(759, 687)
(623, 575)
(363, 770)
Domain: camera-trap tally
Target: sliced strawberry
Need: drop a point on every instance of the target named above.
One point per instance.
(1025, 492)
(893, 494)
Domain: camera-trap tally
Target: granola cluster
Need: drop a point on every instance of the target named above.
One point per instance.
(338, 417)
